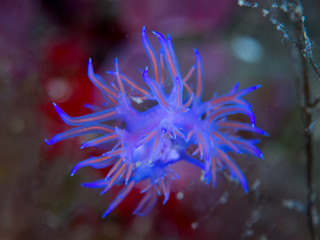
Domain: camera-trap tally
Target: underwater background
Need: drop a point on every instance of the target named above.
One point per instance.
(44, 51)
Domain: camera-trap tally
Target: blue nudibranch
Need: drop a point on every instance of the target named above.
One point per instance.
(145, 145)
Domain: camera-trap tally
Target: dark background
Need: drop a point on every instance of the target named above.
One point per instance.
(44, 49)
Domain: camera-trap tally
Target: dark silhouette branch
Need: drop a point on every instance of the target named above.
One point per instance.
(305, 57)
(301, 42)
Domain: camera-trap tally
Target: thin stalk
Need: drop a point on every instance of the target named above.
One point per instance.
(308, 132)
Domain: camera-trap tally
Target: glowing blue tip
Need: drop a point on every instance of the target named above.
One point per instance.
(73, 171)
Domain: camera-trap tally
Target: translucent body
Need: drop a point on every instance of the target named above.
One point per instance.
(152, 141)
